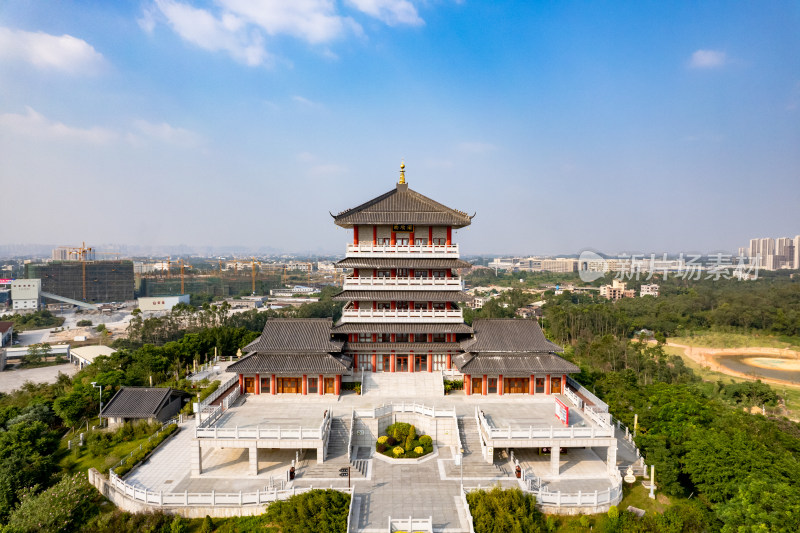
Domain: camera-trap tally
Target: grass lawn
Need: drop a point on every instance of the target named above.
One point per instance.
(715, 339)
(72, 463)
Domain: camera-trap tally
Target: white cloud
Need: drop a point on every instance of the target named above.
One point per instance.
(392, 12)
(708, 59)
(49, 52)
(166, 133)
(36, 126)
(203, 29)
(315, 21)
(305, 101)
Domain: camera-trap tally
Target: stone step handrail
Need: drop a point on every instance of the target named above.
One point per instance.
(421, 409)
(611, 495)
(410, 524)
(220, 390)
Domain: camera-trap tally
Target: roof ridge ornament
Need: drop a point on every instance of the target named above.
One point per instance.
(402, 173)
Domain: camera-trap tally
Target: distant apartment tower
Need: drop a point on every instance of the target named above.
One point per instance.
(70, 253)
(796, 254)
(616, 290)
(649, 290)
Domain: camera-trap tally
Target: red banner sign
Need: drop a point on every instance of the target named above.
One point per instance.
(562, 412)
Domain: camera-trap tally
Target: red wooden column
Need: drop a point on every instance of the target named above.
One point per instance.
(394, 239)
(273, 385)
(355, 235)
(392, 359)
(430, 235)
(411, 361)
(449, 235)
(305, 385)
(241, 384)
(321, 386)
(430, 361)
(374, 235)
(500, 385)
(485, 386)
(547, 384)
(374, 361)
(337, 386)
(449, 361)
(532, 385)
(467, 385)
(563, 383)
(355, 360)
(258, 383)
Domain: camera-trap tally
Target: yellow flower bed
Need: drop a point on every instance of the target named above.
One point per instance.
(398, 451)
(418, 450)
(382, 439)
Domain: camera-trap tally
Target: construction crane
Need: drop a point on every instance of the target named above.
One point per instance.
(181, 262)
(253, 264)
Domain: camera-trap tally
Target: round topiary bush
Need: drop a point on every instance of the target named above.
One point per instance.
(398, 451)
(426, 440)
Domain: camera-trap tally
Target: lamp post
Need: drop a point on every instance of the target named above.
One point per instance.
(100, 415)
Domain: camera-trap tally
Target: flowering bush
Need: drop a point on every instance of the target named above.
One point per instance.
(62, 507)
(382, 439)
(398, 451)
(418, 450)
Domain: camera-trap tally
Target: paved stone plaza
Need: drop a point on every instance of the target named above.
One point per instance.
(429, 488)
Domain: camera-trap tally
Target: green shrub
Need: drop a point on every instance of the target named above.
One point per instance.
(426, 440)
(398, 430)
(65, 506)
(505, 510)
(207, 525)
(84, 323)
(316, 511)
(412, 434)
(146, 448)
(178, 525)
(380, 448)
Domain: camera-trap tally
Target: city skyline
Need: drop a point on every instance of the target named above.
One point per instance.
(616, 127)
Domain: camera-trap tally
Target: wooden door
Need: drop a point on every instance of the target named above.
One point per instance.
(555, 385)
(401, 362)
(330, 385)
(477, 385)
(250, 385)
(265, 383)
(539, 386)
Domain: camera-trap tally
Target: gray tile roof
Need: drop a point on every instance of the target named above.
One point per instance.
(508, 335)
(403, 296)
(291, 364)
(361, 327)
(369, 262)
(296, 335)
(139, 402)
(402, 205)
(513, 364)
(402, 347)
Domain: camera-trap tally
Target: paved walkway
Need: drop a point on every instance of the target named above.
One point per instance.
(11, 380)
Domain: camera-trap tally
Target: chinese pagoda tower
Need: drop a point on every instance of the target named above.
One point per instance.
(403, 297)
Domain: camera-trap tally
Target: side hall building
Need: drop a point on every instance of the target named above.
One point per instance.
(402, 314)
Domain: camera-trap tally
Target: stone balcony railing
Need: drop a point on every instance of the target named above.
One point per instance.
(403, 250)
(402, 315)
(404, 283)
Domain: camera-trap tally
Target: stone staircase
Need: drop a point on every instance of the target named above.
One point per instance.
(403, 385)
(475, 466)
(336, 457)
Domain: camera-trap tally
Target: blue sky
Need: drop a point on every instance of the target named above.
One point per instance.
(618, 126)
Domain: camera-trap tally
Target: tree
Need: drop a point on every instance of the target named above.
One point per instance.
(72, 407)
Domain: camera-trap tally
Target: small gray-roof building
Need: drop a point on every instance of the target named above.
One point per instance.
(144, 403)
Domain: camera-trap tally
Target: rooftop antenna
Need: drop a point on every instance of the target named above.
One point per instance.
(402, 172)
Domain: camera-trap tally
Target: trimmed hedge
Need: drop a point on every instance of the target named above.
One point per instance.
(146, 448)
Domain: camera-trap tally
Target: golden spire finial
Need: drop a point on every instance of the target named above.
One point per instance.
(402, 173)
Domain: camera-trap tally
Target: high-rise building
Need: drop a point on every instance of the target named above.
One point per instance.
(796, 261)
